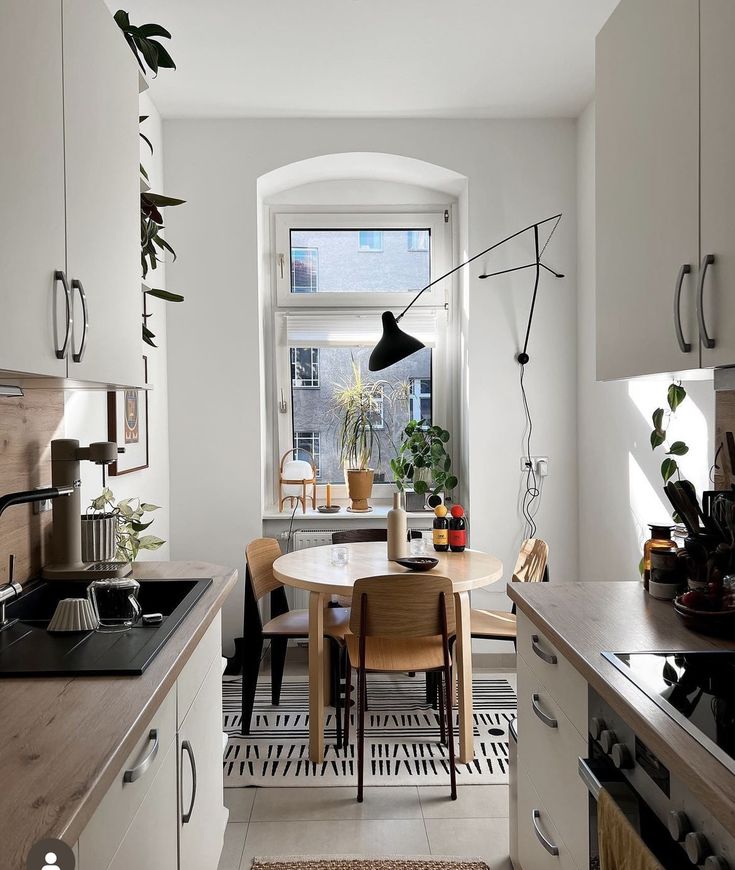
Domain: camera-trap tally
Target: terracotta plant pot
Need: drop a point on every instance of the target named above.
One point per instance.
(359, 487)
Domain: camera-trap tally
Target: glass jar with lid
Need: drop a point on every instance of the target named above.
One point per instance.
(660, 540)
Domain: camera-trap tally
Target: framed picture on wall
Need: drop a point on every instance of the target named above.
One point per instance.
(127, 426)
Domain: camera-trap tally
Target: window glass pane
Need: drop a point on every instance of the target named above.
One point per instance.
(404, 393)
(334, 261)
(308, 441)
(417, 240)
(304, 270)
(305, 366)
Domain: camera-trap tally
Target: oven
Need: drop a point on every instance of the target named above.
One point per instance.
(669, 819)
(597, 772)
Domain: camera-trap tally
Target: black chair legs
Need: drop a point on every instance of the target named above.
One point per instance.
(251, 665)
(279, 645)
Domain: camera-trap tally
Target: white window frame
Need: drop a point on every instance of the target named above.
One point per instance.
(316, 454)
(412, 249)
(440, 297)
(439, 245)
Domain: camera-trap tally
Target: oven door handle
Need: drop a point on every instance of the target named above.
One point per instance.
(589, 778)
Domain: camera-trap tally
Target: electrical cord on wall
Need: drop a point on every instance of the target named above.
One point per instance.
(290, 527)
(532, 494)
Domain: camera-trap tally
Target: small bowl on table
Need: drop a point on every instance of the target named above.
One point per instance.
(715, 622)
(418, 563)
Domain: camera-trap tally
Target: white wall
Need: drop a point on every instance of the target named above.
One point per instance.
(85, 413)
(619, 479)
(518, 172)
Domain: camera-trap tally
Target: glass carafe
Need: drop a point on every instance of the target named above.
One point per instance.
(115, 602)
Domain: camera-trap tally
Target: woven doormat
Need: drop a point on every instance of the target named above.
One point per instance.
(366, 864)
(401, 731)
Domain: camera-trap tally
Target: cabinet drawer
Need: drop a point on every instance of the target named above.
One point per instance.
(535, 823)
(548, 749)
(112, 818)
(195, 670)
(566, 684)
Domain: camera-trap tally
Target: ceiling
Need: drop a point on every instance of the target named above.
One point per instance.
(375, 58)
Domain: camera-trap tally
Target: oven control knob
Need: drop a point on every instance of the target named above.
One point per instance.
(715, 863)
(697, 847)
(597, 726)
(622, 759)
(607, 740)
(679, 825)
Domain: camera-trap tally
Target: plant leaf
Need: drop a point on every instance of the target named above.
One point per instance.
(166, 295)
(165, 61)
(675, 396)
(420, 487)
(150, 507)
(148, 30)
(658, 436)
(158, 199)
(678, 448)
(668, 469)
(658, 418)
(451, 482)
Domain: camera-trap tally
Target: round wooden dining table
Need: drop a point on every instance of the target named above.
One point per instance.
(312, 569)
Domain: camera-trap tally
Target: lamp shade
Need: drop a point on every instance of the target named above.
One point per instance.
(394, 345)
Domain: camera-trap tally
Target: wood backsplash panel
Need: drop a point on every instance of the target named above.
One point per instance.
(27, 426)
(724, 423)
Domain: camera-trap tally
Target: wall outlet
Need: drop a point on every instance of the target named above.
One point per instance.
(539, 464)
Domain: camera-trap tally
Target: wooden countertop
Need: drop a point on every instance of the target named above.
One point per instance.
(584, 619)
(64, 739)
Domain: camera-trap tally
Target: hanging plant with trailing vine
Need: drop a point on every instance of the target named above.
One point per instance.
(661, 419)
(148, 51)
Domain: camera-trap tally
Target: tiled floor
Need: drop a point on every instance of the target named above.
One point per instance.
(392, 820)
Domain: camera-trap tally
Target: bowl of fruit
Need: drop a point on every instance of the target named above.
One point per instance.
(709, 612)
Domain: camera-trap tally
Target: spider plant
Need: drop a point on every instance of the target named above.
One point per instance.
(356, 404)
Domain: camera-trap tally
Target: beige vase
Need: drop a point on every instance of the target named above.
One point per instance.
(359, 487)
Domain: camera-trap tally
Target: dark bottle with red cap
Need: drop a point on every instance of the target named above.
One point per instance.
(457, 530)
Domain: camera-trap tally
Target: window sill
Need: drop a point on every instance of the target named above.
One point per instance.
(379, 511)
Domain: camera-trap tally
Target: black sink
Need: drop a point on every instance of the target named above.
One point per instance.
(27, 649)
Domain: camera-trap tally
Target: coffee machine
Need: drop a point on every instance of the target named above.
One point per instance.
(66, 539)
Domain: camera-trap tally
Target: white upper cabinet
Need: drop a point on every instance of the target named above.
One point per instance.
(69, 182)
(647, 188)
(32, 230)
(102, 195)
(718, 181)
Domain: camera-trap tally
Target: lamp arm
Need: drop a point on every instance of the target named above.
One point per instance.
(523, 355)
(533, 226)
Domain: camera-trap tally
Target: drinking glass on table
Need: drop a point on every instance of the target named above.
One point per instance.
(340, 555)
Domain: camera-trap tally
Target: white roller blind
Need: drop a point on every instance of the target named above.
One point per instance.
(356, 329)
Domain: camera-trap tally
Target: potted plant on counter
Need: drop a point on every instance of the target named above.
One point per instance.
(127, 517)
(422, 463)
(356, 405)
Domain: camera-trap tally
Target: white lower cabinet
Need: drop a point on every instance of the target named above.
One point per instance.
(540, 846)
(165, 809)
(551, 802)
(150, 841)
(202, 815)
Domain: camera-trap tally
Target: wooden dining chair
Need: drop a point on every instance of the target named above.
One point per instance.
(531, 567)
(401, 623)
(283, 625)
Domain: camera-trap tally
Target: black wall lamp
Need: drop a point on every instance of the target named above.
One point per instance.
(395, 344)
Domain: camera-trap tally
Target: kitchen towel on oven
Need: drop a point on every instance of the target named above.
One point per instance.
(620, 846)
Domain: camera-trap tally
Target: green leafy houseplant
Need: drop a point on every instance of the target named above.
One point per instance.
(144, 44)
(129, 513)
(661, 419)
(151, 242)
(422, 462)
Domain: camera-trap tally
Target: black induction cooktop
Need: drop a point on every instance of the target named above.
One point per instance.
(28, 650)
(697, 689)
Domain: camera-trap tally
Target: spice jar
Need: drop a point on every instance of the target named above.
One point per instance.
(660, 540)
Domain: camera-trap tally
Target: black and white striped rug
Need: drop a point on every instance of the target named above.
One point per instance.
(402, 737)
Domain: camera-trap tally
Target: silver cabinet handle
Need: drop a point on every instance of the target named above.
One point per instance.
(139, 769)
(77, 356)
(549, 658)
(540, 836)
(684, 346)
(186, 748)
(60, 276)
(708, 260)
(549, 721)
